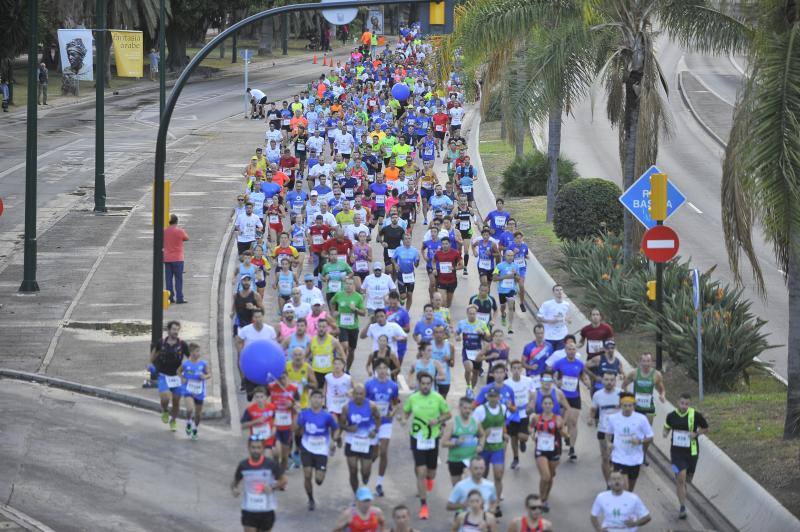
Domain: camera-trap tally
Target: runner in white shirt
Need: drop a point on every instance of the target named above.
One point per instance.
(327, 216)
(391, 330)
(309, 292)
(245, 227)
(337, 387)
(629, 430)
(272, 134)
(622, 510)
(524, 389)
(352, 231)
(554, 315)
(605, 402)
(344, 143)
(315, 143)
(376, 287)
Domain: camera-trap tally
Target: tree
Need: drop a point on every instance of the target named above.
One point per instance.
(622, 38)
(761, 170)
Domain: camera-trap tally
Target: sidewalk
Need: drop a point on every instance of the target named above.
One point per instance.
(91, 323)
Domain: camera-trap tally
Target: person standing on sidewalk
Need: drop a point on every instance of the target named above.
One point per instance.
(44, 77)
(5, 95)
(154, 57)
(174, 237)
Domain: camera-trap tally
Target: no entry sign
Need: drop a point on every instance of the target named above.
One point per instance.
(660, 243)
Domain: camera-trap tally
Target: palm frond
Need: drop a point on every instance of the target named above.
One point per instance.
(697, 25)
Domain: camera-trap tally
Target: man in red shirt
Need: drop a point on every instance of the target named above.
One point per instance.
(595, 334)
(447, 262)
(318, 234)
(289, 165)
(284, 394)
(341, 244)
(174, 237)
(259, 418)
(440, 121)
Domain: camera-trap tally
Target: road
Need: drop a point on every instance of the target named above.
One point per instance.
(693, 162)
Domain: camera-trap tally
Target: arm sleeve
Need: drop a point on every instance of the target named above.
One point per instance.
(597, 508)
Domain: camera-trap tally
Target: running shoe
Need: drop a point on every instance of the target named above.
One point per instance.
(498, 513)
(523, 446)
(165, 417)
(429, 484)
(311, 505)
(470, 393)
(510, 331)
(189, 429)
(503, 320)
(683, 514)
(522, 306)
(423, 512)
(572, 455)
(545, 507)
(173, 425)
(379, 490)
(194, 435)
(515, 464)
(465, 272)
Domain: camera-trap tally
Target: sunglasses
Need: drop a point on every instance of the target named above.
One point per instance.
(535, 508)
(239, 199)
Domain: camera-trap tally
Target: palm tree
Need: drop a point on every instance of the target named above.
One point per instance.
(761, 170)
(623, 34)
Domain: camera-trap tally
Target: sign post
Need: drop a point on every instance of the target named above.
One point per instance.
(247, 53)
(698, 309)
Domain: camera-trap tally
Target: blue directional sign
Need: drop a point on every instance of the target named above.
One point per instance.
(637, 198)
(246, 54)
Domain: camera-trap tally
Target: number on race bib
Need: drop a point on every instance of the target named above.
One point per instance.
(446, 267)
(347, 319)
(495, 435)
(681, 438)
(408, 278)
(256, 502)
(359, 444)
(173, 381)
(569, 383)
(644, 400)
(194, 387)
(425, 444)
(545, 442)
(485, 264)
(283, 419)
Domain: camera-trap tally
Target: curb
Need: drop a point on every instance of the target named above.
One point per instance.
(95, 391)
(715, 495)
(695, 114)
(214, 313)
(23, 520)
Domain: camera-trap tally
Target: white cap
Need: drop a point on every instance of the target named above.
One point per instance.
(288, 307)
(314, 193)
(377, 265)
(317, 301)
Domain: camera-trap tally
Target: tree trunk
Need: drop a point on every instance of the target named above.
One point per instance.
(791, 428)
(630, 132)
(553, 152)
(265, 37)
(519, 136)
(176, 46)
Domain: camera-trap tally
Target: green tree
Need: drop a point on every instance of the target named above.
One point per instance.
(761, 170)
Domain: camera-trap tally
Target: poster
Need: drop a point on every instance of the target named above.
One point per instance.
(375, 21)
(128, 53)
(76, 53)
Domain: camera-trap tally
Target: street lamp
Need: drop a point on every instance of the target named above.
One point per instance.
(29, 283)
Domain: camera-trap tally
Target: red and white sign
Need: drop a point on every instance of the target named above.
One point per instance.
(660, 243)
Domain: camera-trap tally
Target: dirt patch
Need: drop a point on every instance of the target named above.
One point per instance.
(115, 328)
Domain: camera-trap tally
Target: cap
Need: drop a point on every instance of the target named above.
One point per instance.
(610, 343)
(246, 276)
(317, 301)
(363, 494)
(253, 158)
(492, 392)
(314, 193)
(377, 265)
(308, 277)
(288, 307)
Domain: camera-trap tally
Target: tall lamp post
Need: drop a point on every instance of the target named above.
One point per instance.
(162, 74)
(99, 112)
(29, 283)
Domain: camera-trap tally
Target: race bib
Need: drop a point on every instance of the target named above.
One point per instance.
(334, 285)
(380, 199)
(283, 419)
(348, 193)
(285, 122)
(545, 442)
(316, 239)
(485, 264)
(681, 438)
(464, 225)
(425, 444)
(500, 221)
(337, 403)
(255, 502)
(520, 261)
(439, 128)
(483, 316)
(285, 286)
(507, 284)
(446, 267)
(300, 146)
(316, 444)
(569, 384)
(322, 361)
(173, 381)
(299, 242)
(273, 219)
(466, 188)
(472, 354)
(347, 319)
(594, 346)
(644, 400)
(383, 408)
(495, 435)
(408, 278)
(362, 266)
(360, 444)
(264, 431)
(195, 387)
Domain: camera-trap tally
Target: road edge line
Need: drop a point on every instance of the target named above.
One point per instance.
(695, 114)
(24, 520)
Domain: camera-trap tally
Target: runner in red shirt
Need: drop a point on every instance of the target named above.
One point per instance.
(285, 249)
(259, 418)
(447, 262)
(285, 396)
(289, 165)
(440, 122)
(318, 234)
(341, 244)
(595, 335)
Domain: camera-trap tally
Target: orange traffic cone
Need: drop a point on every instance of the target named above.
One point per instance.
(325, 60)
(314, 61)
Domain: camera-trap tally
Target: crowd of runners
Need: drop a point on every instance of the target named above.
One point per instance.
(345, 177)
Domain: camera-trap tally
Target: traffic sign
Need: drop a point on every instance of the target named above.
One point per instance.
(660, 243)
(341, 15)
(246, 54)
(637, 198)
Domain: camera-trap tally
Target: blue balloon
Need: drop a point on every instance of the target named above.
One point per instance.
(262, 361)
(401, 91)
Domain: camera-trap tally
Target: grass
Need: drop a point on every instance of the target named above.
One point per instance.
(747, 424)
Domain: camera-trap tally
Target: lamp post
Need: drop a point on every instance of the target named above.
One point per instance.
(29, 283)
(162, 75)
(99, 110)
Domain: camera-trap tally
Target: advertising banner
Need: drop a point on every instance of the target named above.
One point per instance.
(128, 53)
(76, 53)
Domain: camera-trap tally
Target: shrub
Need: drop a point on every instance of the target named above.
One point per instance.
(586, 208)
(528, 175)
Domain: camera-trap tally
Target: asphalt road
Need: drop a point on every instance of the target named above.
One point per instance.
(692, 160)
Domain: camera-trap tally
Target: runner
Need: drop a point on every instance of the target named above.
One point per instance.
(485, 251)
(605, 402)
(285, 397)
(361, 516)
(497, 219)
(646, 379)
(629, 431)
(474, 518)
(166, 358)
(570, 371)
(444, 353)
(322, 350)
(399, 315)
(405, 260)
(376, 287)
(259, 419)
(595, 335)
(337, 388)
(471, 332)
(447, 262)
(260, 477)
(428, 411)
(686, 425)
(426, 364)
(195, 372)
(532, 520)
(457, 501)
(384, 393)
(607, 362)
(492, 417)
(548, 389)
(521, 253)
(316, 428)
(347, 306)
(360, 419)
(299, 373)
(621, 509)
(464, 440)
(535, 355)
(554, 314)
(486, 305)
(518, 424)
(548, 428)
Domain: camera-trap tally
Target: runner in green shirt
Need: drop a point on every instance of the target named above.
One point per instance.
(347, 306)
(334, 273)
(429, 411)
(464, 439)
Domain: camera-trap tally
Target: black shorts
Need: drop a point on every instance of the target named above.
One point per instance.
(601, 435)
(447, 287)
(241, 247)
(682, 460)
(286, 127)
(405, 287)
(379, 212)
(456, 468)
(574, 402)
(258, 520)
(314, 461)
(284, 436)
(348, 335)
(485, 273)
(438, 134)
(505, 297)
(518, 427)
(428, 458)
(262, 101)
(552, 456)
(630, 471)
(366, 456)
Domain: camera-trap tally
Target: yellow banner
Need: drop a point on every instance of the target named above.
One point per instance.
(129, 53)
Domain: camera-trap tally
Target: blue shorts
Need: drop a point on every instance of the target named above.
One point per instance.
(555, 345)
(522, 271)
(494, 457)
(402, 347)
(284, 436)
(163, 388)
(426, 193)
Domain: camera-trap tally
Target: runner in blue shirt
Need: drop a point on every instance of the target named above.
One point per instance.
(316, 428)
(406, 258)
(506, 273)
(506, 392)
(506, 237)
(441, 202)
(423, 330)
(471, 332)
(296, 198)
(498, 218)
(535, 354)
(521, 253)
(195, 373)
(571, 371)
(396, 313)
(485, 250)
(384, 392)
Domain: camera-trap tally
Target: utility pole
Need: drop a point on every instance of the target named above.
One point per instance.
(99, 113)
(235, 46)
(658, 212)
(29, 283)
(162, 74)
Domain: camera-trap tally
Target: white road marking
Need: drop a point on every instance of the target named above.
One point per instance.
(40, 157)
(694, 208)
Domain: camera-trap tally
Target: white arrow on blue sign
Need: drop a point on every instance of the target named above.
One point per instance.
(637, 198)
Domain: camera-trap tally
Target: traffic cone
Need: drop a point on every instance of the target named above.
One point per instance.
(325, 60)
(314, 61)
